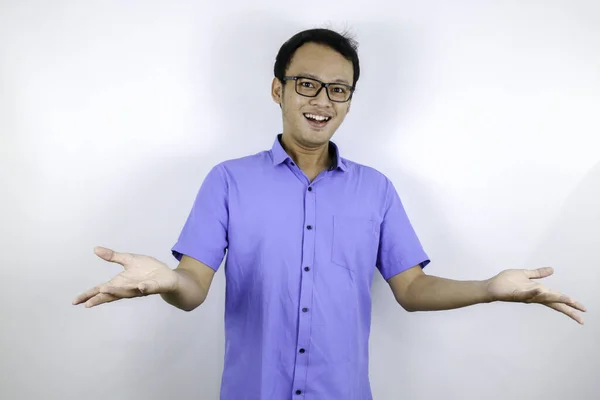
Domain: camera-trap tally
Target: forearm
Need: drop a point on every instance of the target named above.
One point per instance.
(189, 293)
(432, 293)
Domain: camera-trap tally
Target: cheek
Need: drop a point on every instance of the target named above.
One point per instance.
(291, 107)
(342, 112)
(290, 113)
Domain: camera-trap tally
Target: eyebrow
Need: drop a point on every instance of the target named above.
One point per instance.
(339, 80)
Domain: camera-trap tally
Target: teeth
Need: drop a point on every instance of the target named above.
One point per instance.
(317, 117)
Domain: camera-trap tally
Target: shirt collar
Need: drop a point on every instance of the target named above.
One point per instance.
(279, 155)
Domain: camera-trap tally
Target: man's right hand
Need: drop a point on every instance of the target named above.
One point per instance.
(143, 275)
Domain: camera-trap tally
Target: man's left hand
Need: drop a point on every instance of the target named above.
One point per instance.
(518, 285)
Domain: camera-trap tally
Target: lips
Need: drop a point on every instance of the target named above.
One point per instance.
(317, 117)
(317, 120)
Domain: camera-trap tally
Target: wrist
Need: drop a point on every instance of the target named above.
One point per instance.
(486, 293)
(179, 281)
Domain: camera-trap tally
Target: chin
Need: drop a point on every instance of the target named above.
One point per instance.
(325, 131)
(318, 138)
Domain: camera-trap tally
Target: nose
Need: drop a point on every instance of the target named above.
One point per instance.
(321, 99)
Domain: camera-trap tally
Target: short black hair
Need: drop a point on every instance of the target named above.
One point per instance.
(342, 43)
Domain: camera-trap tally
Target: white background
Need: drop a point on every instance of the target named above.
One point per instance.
(484, 114)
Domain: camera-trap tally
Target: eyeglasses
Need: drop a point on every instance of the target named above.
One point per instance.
(308, 87)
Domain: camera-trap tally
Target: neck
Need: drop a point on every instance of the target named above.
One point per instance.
(308, 159)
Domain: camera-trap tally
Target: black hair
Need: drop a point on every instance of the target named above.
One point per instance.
(342, 43)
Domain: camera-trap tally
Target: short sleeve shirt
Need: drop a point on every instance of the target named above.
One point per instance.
(299, 263)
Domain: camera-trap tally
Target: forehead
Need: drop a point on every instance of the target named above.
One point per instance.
(321, 62)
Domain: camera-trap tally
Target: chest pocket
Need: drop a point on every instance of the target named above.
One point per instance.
(355, 242)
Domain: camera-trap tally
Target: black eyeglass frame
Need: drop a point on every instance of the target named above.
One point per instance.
(323, 85)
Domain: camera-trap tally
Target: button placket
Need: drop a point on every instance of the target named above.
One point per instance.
(306, 288)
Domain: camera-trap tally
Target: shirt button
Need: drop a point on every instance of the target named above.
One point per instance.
(298, 391)
(292, 164)
(302, 351)
(307, 269)
(305, 309)
(310, 189)
(309, 227)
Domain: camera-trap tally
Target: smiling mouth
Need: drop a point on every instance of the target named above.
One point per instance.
(315, 117)
(316, 120)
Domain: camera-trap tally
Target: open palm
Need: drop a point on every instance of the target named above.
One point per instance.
(518, 285)
(143, 275)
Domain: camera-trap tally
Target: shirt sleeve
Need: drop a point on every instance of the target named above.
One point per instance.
(399, 246)
(204, 234)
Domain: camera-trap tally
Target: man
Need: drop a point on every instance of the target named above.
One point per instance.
(304, 230)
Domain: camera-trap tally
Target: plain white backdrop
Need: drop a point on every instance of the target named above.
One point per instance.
(485, 115)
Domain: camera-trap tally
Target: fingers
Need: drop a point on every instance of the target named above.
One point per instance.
(122, 292)
(100, 294)
(112, 256)
(106, 294)
(542, 295)
(100, 298)
(554, 297)
(85, 296)
(539, 272)
(568, 311)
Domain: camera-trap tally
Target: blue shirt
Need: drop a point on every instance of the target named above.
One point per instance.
(300, 261)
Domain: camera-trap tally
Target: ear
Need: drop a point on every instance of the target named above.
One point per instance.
(276, 91)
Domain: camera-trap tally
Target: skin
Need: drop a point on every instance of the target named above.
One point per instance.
(187, 286)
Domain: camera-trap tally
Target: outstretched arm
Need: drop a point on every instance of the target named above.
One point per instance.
(185, 287)
(416, 291)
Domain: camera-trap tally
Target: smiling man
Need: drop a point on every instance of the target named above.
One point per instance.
(304, 230)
